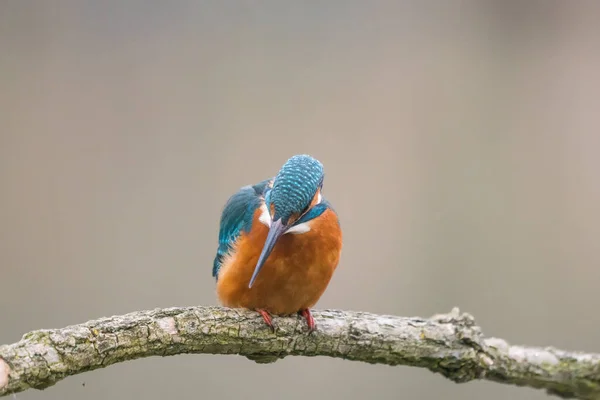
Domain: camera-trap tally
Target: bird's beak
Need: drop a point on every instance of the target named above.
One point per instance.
(277, 229)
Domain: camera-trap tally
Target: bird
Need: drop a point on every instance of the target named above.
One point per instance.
(280, 243)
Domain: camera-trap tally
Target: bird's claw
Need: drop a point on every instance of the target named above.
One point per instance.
(267, 318)
(310, 321)
(306, 314)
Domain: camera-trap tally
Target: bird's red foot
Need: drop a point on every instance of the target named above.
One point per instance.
(310, 321)
(267, 318)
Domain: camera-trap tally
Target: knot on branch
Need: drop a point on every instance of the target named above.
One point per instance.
(455, 317)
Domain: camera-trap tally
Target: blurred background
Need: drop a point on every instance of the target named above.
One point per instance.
(460, 142)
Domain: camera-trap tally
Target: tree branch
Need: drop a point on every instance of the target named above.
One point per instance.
(449, 344)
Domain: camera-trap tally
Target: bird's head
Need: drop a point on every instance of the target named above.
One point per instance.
(296, 188)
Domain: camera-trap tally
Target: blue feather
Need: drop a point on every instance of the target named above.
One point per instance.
(237, 218)
(315, 211)
(295, 186)
(293, 189)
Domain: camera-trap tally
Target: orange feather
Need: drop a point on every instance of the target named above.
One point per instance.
(294, 276)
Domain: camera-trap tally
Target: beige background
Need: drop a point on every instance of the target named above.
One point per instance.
(460, 140)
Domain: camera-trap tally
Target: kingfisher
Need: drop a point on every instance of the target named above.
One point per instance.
(280, 242)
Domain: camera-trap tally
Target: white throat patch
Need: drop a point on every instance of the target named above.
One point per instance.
(265, 219)
(265, 216)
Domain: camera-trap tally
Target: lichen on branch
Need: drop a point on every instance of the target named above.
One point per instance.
(449, 344)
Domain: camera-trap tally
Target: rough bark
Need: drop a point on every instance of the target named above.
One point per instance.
(449, 344)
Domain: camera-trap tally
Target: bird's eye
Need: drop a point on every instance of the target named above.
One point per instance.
(305, 210)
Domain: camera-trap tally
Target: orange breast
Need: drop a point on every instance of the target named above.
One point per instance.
(294, 276)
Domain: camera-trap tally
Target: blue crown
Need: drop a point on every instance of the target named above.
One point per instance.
(295, 186)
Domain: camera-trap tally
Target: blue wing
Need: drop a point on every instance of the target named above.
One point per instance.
(237, 218)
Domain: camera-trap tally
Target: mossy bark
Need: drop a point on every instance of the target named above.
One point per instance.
(449, 344)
